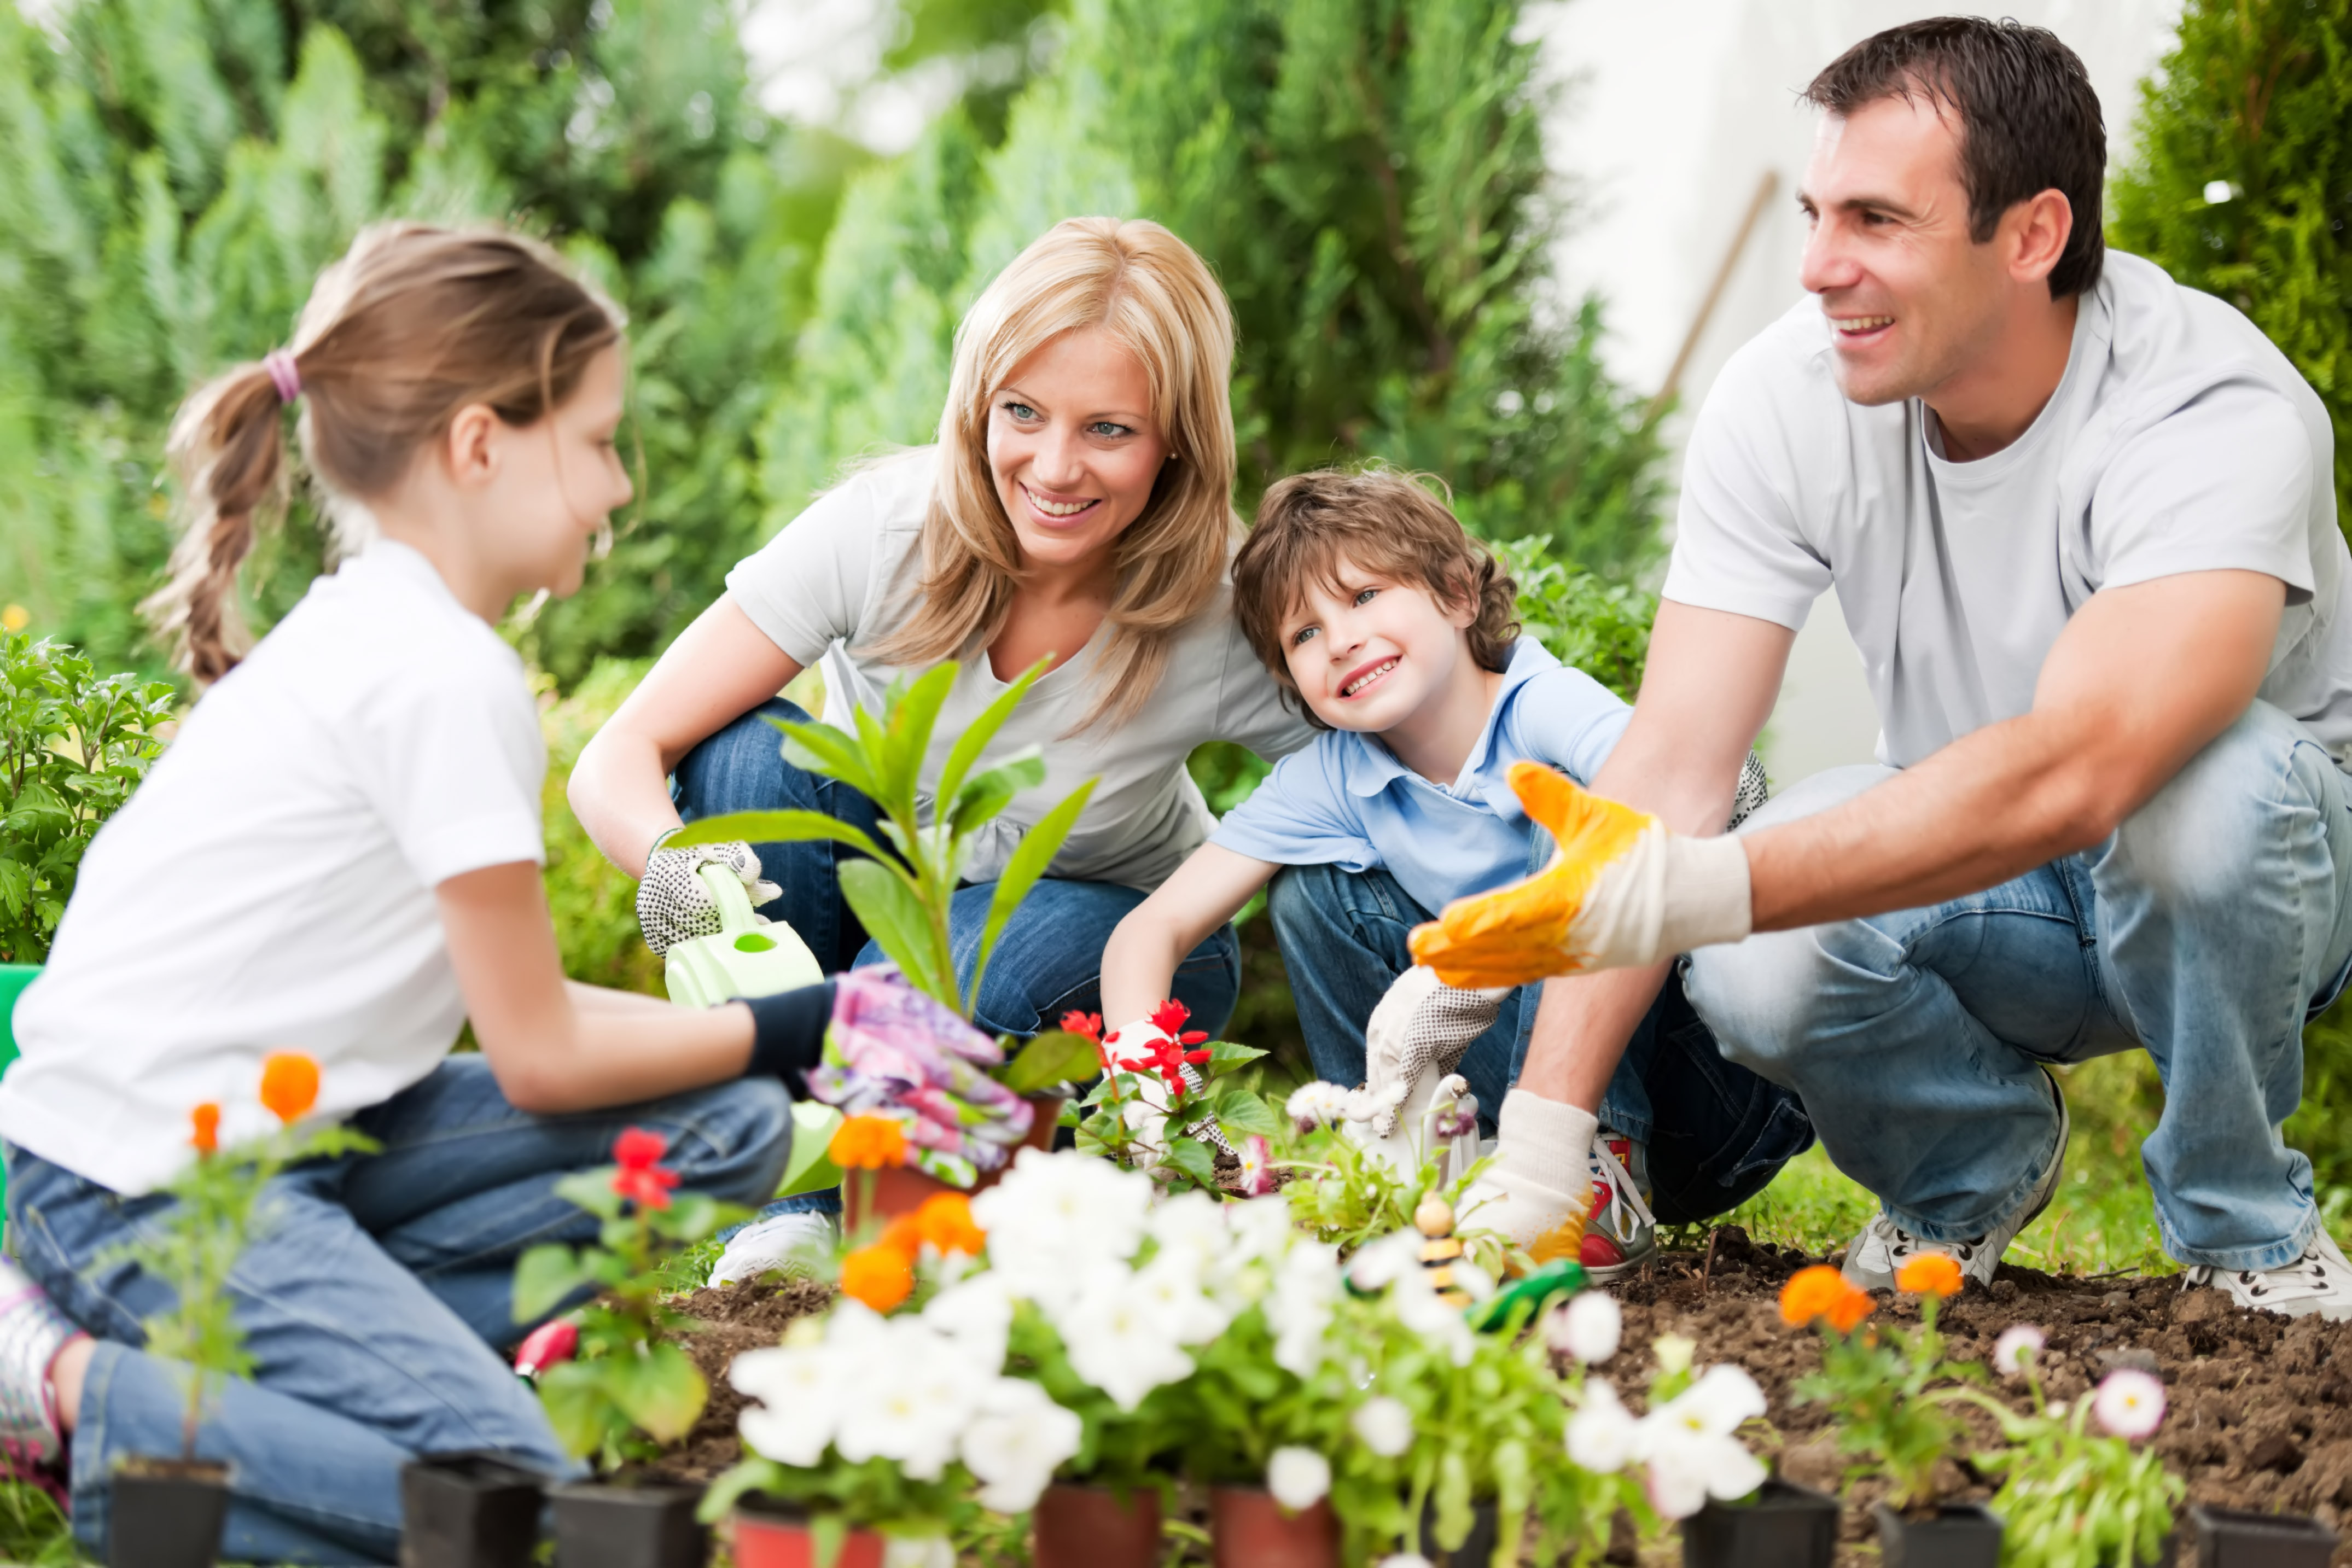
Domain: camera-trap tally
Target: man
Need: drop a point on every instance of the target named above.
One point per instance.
(2082, 524)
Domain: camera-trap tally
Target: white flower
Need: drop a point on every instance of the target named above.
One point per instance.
(1317, 1104)
(1117, 1340)
(1404, 1560)
(1261, 1229)
(1298, 1478)
(1674, 1353)
(1172, 1284)
(1384, 1425)
(1602, 1434)
(2013, 1352)
(2129, 1403)
(798, 1397)
(918, 1552)
(976, 1312)
(1587, 1327)
(910, 1400)
(1015, 1443)
(1190, 1225)
(1363, 1104)
(1299, 1308)
(1257, 1166)
(1055, 1216)
(1430, 1315)
(1378, 1265)
(1691, 1448)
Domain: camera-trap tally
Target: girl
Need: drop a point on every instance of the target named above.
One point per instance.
(1077, 507)
(339, 853)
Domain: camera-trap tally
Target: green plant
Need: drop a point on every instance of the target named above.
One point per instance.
(1889, 1388)
(903, 894)
(73, 745)
(628, 1378)
(218, 1208)
(1143, 1111)
(1601, 627)
(1342, 1193)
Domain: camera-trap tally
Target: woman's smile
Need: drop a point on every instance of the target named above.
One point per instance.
(1055, 509)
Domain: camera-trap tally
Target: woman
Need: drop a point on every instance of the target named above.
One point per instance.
(1075, 509)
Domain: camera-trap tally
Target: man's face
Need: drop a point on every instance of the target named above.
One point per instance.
(1912, 300)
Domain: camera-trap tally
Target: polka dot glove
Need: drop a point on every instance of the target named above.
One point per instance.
(1418, 1035)
(673, 905)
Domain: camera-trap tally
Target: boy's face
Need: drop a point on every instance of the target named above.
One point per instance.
(1370, 656)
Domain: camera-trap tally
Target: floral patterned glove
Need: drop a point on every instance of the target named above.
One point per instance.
(893, 1051)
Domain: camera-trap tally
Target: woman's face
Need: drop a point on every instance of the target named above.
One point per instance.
(1074, 447)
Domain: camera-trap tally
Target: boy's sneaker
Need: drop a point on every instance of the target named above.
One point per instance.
(798, 1245)
(1878, 1254)
(32, 1332)
(2319, 1282)
(1620, 1234)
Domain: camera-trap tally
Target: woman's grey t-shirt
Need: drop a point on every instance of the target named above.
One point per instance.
(841, 576)
(2179, 440)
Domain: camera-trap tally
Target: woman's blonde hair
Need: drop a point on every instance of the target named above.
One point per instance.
(1156, 299)
(412, 325)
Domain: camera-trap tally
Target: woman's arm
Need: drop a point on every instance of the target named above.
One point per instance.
(1140, 959)
(721, 668)
(557, 1047)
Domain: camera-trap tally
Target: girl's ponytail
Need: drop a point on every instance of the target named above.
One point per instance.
(228, 444)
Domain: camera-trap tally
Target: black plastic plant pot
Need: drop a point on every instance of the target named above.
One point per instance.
(1783, 1526)
(1476, 1549)
(613, 1526)
(468, 1510)
(167, 1514)
(1955, 1535)
(2228, 1538)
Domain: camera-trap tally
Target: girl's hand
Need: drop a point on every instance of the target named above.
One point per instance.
(673, 905)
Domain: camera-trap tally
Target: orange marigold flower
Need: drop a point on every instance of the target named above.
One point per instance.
(1851, 1309)
(945, 1221)
(903, 1235)
(879, 1276)
(1811, 1293)
(289, 1084)
(868, 1143)
(1929, 1274)
(207, 1118)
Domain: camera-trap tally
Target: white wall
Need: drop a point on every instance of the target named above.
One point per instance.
(1676, 108)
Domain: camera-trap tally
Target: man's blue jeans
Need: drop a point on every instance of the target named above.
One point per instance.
(2207, 930)
(1047, 962)
(375, 1300)
(1716, 1133)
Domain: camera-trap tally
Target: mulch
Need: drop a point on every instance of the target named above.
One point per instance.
(2260, 1407)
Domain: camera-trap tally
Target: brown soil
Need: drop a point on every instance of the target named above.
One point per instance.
(734, 1319)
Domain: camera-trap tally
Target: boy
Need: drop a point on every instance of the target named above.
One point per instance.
(1395, 632)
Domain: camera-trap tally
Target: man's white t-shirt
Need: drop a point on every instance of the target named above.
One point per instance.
(2179, 440)
(841, 577)
(270, 886)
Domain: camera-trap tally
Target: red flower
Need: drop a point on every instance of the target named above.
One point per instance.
(636, 1149)
(1169, 1018)
(639, 1178)
(1087, 1024)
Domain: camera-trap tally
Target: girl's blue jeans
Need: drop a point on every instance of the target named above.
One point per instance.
(2206, 931)
(1047, 962)
(375, 1299)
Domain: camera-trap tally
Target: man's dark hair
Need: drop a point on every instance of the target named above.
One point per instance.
(2029, 121)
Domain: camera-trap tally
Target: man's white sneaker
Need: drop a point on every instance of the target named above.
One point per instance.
(1878, 1254)
(32, 1332)
(2319, 1282)
(797, 1246)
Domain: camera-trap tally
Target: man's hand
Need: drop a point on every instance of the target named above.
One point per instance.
(1622, 893)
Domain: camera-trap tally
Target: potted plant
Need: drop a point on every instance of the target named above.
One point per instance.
(885, 1425)
(2073, 1497)
(1881, 1386)
(628, 1390)
(1177, 1083)
(2234, 1538)
(168, 1510)
(469, 1511)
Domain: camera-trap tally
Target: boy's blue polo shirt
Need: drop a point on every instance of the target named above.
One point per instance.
(1346, 801)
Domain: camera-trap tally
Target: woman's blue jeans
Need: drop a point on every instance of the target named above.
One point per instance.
(376, 1298)
(1047, 962)
(2206, 931)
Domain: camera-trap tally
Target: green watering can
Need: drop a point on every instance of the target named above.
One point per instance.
(13, 978)
(745, 959)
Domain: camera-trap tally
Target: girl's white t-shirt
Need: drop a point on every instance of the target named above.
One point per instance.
(841, 576)
(270, 886)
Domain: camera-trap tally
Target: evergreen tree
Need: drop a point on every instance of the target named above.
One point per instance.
(2242, 183)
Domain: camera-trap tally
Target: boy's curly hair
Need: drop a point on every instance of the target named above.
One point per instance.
(1381, 521)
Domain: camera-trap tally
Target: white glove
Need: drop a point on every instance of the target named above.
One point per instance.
(673, 905)
(1537, 1192)
(1622, 893)
(1417, 1036)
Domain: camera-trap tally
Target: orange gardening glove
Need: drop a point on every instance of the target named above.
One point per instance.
(1622, 893)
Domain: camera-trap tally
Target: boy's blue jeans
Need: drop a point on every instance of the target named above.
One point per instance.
(1047, 962)
(1716, 1133)
(375, 1300)
(2207, 930)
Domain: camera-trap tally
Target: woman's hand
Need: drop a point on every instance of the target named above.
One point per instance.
(673, 906)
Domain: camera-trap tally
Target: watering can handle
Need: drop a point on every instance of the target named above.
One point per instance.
(726, 890)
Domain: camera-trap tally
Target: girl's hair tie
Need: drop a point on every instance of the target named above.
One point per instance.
(280, 364)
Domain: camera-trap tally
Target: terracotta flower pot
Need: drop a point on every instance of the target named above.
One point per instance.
(2229, 1538)
(1955, 1535)
(1089, 1527)
(167, 1514)
(901, 1189)
(771, 1537)
(468, 1510)
(1249, 1529)
(1782, 1526)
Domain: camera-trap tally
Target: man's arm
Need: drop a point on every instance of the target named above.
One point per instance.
(1710, 683)
(2140, 680)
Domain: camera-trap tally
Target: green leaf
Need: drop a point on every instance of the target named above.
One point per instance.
(894, 918)
(572, 1394)
(830, 751)
(1193, 1157)
(772, 827)
(1029, 861)
(913, 714)
(1241, 1113)
(1224, 1055)
(983, 729)
(1053, 1057)
(747, 1475)
(544, 1276)
(992, 791)
(592, 1190)
(660, 1390)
